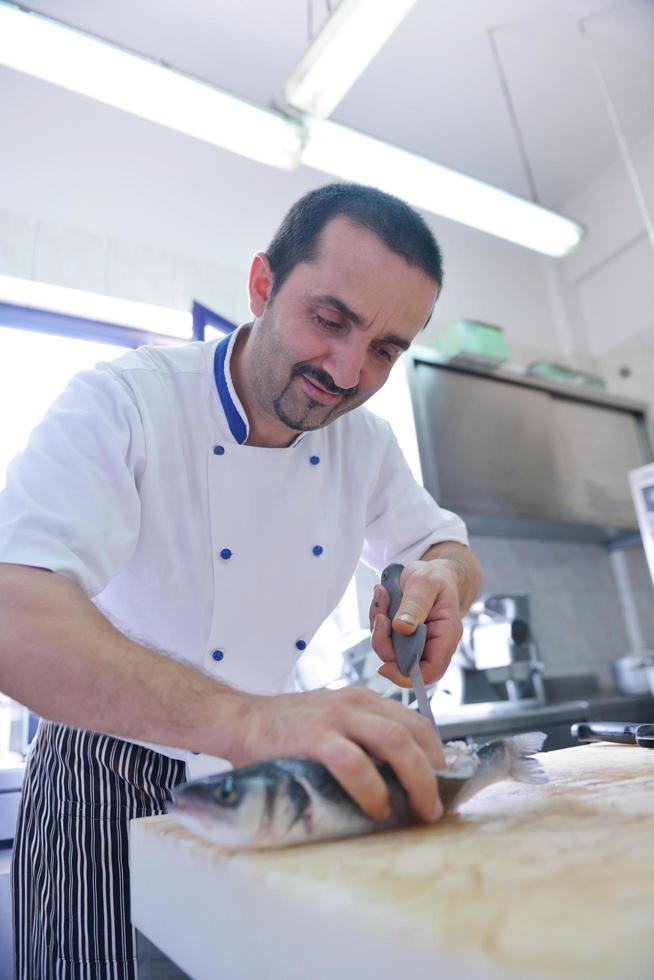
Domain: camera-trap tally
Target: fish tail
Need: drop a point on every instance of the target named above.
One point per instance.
(520, 751)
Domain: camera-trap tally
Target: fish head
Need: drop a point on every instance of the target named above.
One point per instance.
(238, 809)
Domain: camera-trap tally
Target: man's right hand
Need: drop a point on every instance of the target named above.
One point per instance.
(342, 729)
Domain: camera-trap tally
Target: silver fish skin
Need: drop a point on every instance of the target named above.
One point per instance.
(297, 801)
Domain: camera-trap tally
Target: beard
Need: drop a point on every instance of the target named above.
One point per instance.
(312, 414)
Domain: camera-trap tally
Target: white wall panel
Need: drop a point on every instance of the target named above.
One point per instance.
(16, 244)
(618, 300)
(70, 256)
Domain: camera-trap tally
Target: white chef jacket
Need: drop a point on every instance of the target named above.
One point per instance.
(138, 486)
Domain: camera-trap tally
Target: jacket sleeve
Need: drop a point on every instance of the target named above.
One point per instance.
(403, 520)
(71, 503)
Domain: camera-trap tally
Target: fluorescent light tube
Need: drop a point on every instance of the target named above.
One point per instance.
(347, 42)
(54, 53)
(63, 56)
(350, 155)
(95, 306)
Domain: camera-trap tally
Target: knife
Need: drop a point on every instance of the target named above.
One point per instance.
(623, 732)
(408, 649)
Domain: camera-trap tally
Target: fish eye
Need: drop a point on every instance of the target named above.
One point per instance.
(226, 792)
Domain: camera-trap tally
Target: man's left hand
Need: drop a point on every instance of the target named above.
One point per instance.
(430, 595)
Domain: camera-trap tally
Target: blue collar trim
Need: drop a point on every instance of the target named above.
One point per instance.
(234, 418)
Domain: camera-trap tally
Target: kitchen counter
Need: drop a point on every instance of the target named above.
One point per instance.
(555, 718)
(552, 881)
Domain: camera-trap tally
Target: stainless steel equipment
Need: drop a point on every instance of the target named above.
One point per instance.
(634, 673)
(528, 456)
(497, 660)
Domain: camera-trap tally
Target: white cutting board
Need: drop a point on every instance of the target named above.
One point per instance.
(528, 881)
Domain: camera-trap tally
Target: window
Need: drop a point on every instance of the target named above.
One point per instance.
(35, 367)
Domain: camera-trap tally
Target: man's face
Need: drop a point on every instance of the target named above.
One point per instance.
(332, 332)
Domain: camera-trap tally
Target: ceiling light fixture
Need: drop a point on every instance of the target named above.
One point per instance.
(77, 61)
(347, 42)
(354, 156)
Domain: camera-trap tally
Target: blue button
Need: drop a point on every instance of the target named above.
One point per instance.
(225, 553)
(301, 645)
(195, 753)
(314, 460)
(317, 549)
(217, 655)
(219, 450)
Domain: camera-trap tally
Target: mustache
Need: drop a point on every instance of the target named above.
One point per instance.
(324, 379)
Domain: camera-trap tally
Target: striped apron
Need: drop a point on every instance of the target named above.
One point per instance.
(70, 872)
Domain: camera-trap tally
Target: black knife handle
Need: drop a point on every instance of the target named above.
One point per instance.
(409, 648)
(645, 736)
(623, 732)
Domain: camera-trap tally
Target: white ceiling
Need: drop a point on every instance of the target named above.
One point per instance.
(434, 88)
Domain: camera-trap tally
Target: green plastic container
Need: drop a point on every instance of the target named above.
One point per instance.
(557, 372)
(471, 340)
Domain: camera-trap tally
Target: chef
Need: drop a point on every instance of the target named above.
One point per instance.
(176, 530)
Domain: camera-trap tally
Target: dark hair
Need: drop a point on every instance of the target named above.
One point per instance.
(396, 224)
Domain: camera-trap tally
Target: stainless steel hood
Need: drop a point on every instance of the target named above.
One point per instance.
(518, 455)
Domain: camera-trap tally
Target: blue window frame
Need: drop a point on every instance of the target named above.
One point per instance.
(204, 318)
(63, 325)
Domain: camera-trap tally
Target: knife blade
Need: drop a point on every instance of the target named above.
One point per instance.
(408, 649)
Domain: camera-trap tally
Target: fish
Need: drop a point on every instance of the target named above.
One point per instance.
(282, 802)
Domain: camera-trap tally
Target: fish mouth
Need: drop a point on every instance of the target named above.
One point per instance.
(247, 824)
(201, 820)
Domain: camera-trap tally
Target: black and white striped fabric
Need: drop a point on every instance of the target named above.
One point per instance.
(70, 870)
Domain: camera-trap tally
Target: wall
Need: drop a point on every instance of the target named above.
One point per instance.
(577, 614)
(494, 281)
(612, 275)
(610, 282)
(85, 258)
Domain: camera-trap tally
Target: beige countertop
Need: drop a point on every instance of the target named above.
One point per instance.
(552, 881)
